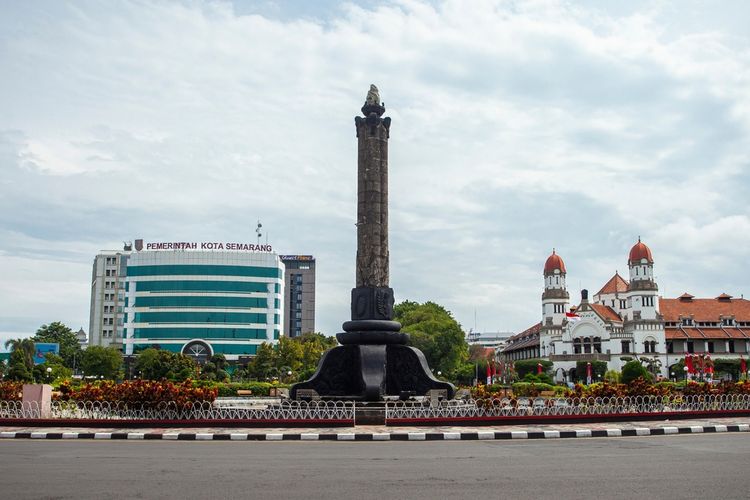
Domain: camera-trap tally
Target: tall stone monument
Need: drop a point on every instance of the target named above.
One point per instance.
(373, 360)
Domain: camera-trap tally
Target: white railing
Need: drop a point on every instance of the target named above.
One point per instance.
(524, 407)
(203, 410)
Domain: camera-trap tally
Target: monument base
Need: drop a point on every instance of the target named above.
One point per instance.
(368, 372)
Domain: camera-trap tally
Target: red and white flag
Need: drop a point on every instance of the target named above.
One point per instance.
(572, 317)
(743, 366)
(489, 374)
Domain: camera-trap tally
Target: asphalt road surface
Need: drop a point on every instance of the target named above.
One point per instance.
(689, 466)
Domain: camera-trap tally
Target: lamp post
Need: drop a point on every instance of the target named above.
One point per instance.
(685, 369)
(49, 373)
(671, 374)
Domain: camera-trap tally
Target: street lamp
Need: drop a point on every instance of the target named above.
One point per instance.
(49, 372)
(671, 374)
(685, 369)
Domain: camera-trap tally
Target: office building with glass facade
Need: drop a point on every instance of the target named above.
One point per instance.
(203, 302)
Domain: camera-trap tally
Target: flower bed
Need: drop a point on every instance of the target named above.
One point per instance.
(146, 393)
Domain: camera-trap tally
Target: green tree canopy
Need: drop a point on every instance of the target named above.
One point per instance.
(21, 363)
(56, 332)
(434, 331)
(632, 370)
(101, 361)
(156, 364)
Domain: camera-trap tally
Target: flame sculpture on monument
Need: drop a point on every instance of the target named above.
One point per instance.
(373, 360)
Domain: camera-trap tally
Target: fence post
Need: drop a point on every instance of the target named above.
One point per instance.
(37, 400)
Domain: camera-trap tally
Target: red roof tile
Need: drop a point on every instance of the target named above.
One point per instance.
(705, 309)
(705, 333)
(606, 312)
(616, 284)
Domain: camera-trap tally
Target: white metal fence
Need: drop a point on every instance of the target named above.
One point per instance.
(524, 407)
(204, 410)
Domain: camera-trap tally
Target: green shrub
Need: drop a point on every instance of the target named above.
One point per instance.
(531, 389)
(538, 379)
(612, 376)
(633, 370)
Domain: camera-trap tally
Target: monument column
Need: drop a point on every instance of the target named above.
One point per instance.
(372, 361)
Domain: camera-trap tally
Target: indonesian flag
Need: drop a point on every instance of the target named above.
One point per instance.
(743, 366)
(588, 373)
(572, 317)
(689, 363)
(489, 374)
(539, 368)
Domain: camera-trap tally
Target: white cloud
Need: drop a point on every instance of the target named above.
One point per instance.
(516, 127)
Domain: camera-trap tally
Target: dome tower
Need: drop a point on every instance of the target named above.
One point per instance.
(555, 297)
(643, 291)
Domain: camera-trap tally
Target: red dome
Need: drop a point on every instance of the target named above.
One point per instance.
(640, 251)
(554, 262)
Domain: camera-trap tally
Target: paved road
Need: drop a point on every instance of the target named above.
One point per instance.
(690, 466)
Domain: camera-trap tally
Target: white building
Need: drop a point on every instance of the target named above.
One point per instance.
(106, 313)
(627, 319)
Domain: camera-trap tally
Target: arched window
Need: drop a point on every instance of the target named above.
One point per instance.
(597, 344)
(577, 346)
(587, 345)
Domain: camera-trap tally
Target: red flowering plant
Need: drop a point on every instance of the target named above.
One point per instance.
(143, 393)
(11, 391)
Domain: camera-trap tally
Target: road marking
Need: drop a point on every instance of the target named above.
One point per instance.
(671, 430)
(551, 434)
(309, 437)
(204, 437)
(381, 437)
(417, 436)
(519, 435)
(7, 435)
(238, 437)
(485, 435)
(642, 431)
(583, 433)
(453, 435)
(135, 435)
(274, 437)
(38, 435)
(696, 428)
(103, 435)
(170, 435)
(70, 435)
(720, 428)
(614, 432)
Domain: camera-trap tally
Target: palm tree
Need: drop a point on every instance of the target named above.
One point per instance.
(25, 346)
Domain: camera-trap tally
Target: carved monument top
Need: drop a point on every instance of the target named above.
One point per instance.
(373, 96)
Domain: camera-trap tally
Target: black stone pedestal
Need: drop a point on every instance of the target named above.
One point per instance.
(368, 371)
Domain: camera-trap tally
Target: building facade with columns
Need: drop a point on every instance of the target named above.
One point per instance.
(628, 319)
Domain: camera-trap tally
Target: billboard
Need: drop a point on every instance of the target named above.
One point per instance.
(42, 349)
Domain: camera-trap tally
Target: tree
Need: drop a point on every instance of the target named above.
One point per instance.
(524, 367)
(21, 363)
(598, 370)
(56, 332)
(264, 364)
(57, 370)
(633, 370)
(101, 361)
(215, 368)
(289, 354)
(157, 364)
(434, 331)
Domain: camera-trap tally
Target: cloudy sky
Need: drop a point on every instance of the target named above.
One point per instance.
(517, 127)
